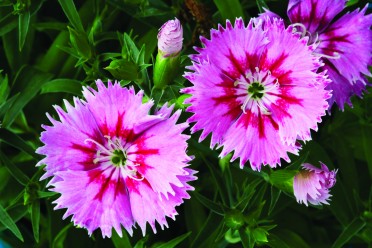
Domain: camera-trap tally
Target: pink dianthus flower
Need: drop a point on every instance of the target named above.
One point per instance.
(312, 184)
(344, 43)
(113, 163)
(255, 89)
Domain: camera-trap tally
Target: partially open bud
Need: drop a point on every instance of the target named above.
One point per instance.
(167, 63)
(170, 38)
(312, 184)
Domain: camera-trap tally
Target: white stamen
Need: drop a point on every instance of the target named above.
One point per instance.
(302, 26)
(105, 154)
(263, 109)
(243, 107)
(99, 145)
(336, 55)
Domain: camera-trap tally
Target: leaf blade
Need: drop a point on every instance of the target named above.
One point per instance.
(72, 14)
(8, 222)
(23, 25)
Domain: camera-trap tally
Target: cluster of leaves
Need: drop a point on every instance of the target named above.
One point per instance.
(50, 49)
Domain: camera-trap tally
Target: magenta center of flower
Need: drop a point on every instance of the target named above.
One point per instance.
(114, 153)
(256, 88)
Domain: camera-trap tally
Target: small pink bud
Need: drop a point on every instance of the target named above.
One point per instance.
(170, 38)
(312, 184)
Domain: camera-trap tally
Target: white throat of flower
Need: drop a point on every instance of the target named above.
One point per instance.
(113, 153)
(257, 85)
(299, 28)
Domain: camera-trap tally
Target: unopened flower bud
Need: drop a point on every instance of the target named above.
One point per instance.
(167, 62)
(312, 184)
(170, 38)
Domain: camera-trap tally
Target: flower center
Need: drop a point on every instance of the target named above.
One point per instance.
(257, 86)
(114, 153)
(119, 158)
(256, 90)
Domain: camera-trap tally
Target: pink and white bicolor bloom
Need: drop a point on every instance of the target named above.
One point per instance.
(312, 184)
(255, 89)
(170, 38)
(344, 43)
(113, 163)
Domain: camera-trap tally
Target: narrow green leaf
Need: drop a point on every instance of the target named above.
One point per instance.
(8, 23)
(42, 26)
(43, 194)
(260, 235)
(217, 179)
(14, 140)
(16, 212)
(35, 219)
(79, 41)
(297, 164)
(6, 106)
(283, 180)
(218, 209)
(261, 4)
(4, 88)
(123, 69)
(351, 3)
(142, 242)
(350, 231)
(62, 85)
(151, 42)
(248, 193)
(172, 243)
(208, 232)
(276, 242)
(28, 81)
(245, 238)
(69, 8)
(367, 144)
(23, 24)
(157, 95)
(129, 48)
(290, 238)
(5, 3)
(61, 236)
(8, 222)
(275, 194)
(229, 9)
(120, 242)
(13, 170)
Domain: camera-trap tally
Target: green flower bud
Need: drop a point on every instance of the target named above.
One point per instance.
(167, 62)
(234, 219)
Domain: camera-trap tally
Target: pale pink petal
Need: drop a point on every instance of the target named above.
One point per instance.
(64, 141)
(95, 199)
(349, 40)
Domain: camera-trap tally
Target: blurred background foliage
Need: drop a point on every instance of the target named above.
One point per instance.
(50, 49)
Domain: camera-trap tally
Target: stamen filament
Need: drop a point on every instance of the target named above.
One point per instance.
(99, 145)
(336, 55)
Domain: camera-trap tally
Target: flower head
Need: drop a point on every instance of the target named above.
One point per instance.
(113, 163)
(345, 43)
(170, 38)
(255, 89)
(312, 184)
